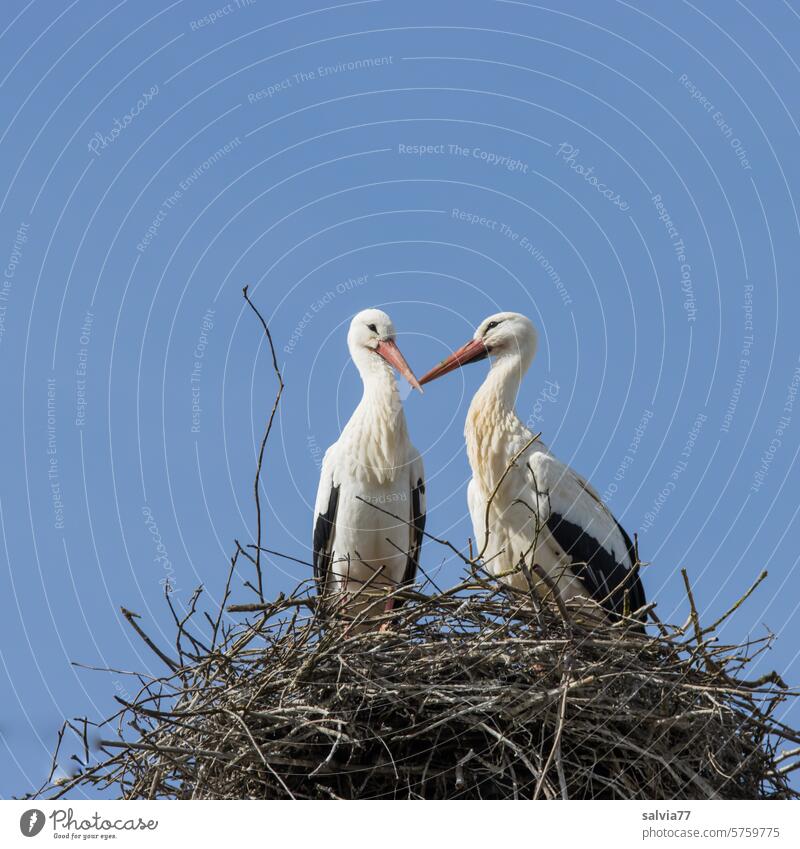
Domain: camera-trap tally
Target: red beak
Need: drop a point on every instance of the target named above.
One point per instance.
(472, 352)
(391, 353)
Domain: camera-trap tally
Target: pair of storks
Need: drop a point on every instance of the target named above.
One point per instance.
(537, 523)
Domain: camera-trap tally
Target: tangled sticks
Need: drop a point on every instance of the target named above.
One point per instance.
(472, 693)
(479, 691)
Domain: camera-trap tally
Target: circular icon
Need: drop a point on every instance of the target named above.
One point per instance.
(31, 822)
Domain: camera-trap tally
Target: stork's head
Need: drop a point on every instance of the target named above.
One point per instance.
(371, 340)
(506, 335)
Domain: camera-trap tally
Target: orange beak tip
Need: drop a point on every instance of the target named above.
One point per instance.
(391, 353)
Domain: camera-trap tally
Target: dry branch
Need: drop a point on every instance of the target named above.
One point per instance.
(267, 431)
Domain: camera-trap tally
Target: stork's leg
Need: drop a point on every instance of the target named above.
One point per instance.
(387, 608)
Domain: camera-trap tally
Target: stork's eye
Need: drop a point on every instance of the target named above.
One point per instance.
(491, 325)
(372, 328)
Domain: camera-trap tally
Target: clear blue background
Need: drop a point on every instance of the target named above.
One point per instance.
(316, 191)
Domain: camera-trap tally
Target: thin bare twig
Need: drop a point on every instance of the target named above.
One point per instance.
(132, 617)
(268, 429)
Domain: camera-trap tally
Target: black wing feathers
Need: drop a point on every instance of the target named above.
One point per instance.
(633, 585)
(606, 580)
(322, 539)
(418, 529)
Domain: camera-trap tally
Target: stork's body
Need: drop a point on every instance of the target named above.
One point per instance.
(360, 551)
(543, 512)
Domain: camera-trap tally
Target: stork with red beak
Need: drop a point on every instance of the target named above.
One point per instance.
(542, 512)
(360, 551)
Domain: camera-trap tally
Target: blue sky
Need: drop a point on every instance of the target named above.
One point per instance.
(624, 174)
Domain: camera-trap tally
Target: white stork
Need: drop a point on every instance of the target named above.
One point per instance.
(542, 510)
(360, 551)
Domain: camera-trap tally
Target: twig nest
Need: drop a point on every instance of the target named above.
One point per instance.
(489, 699)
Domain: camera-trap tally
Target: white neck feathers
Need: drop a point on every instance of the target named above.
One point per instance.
(376, 435)
(492, 428)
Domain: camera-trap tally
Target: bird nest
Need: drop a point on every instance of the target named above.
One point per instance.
(477, 692)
